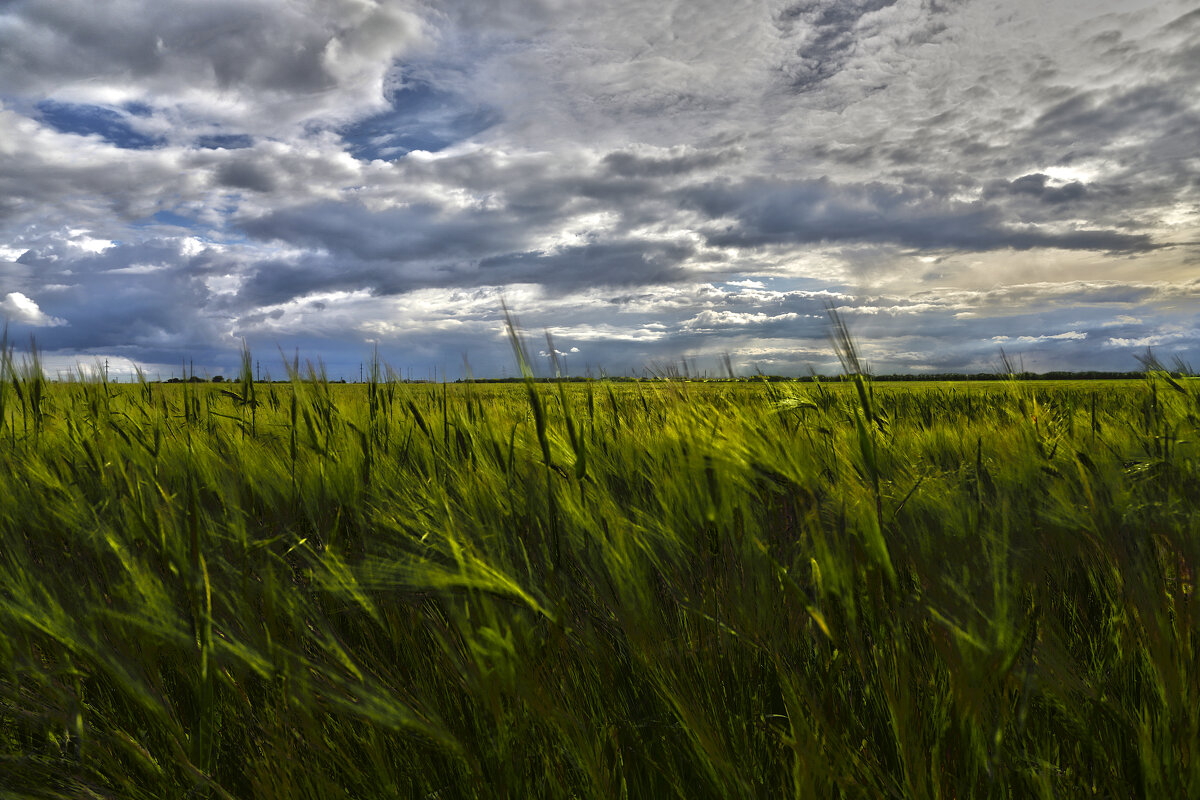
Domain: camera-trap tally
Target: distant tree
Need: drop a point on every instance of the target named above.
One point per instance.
(218, 379)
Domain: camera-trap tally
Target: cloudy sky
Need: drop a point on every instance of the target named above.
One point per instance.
(648, 181)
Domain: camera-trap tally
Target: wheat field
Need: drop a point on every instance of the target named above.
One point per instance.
(597, 589)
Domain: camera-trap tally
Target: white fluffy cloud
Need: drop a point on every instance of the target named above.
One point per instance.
(18, 308)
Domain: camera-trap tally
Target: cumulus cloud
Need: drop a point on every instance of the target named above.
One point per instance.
(709, 320)
(254, 64)
(1155, 339)
(774, 212)
(1045, 337)
(17, 308)
(656, 180)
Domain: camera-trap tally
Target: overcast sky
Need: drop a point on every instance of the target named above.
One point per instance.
(648, 181)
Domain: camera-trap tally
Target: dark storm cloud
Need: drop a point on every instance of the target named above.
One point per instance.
(826, 30)
(1037, 186)
(225, 141)
(245, 174)
(155, 298)
(401, 250)
(618, 263)
(414, 233)
(773, 212)
(269, 281)
(633, 165)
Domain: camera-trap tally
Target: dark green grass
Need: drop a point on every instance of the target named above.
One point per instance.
(598, 590)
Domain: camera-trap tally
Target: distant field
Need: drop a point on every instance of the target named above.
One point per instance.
(656, 589)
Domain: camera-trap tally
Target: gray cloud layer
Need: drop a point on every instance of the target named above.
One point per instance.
(650, 181)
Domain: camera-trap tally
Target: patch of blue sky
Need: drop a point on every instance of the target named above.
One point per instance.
(115, 127)
(178, 220)
(174, 223)
(170, 223)
(421, 118)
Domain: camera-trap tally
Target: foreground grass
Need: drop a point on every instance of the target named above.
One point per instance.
(605, 590)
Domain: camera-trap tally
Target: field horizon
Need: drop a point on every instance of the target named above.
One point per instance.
(840, 588)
